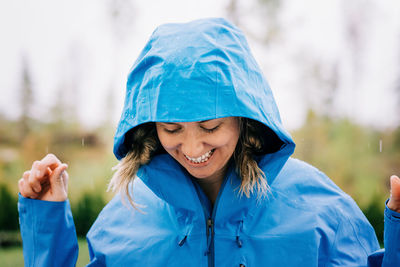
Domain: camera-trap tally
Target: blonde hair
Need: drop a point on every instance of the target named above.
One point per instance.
(143, 143)
(249, 144)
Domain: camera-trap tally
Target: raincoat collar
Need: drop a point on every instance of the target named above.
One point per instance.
(170, 182)
(178, 190)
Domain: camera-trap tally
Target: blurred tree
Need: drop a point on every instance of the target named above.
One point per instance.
(397, 90)
(122, 15)
(320, 81)
(64, 111)
(232, 10)
(357, 18)
(59, 109)
(26, 100)
(264, 13)
(109, 108)
(9, 212)
(374, 213)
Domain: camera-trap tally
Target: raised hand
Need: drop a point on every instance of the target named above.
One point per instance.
(47, 180)
(394, 202)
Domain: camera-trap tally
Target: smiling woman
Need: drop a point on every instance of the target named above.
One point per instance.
(202, 148)
(203, 151)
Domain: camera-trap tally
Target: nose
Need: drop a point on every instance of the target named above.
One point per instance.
(192, 146)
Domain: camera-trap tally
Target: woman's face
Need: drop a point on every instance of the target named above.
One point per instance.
(203, 148)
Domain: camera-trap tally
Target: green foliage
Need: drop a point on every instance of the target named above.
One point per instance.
(10, 239)
(9, 211)
(85, 211)
(359, 159)
(374, 213)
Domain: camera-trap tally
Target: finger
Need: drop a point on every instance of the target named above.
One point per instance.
(41, 170)
(21, 185)
(36, 174)
(22, 181)
(65, 178)
(51, 161)
(25, 189)
(58, 178)
(26, 175)
(395, 187)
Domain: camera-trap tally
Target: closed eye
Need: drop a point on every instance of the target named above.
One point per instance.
(210, 130)
(172, 131)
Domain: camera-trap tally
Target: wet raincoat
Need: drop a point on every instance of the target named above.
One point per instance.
(192, 72)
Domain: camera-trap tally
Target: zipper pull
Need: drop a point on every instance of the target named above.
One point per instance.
(182, 241)
(209, 230)
(210, 226)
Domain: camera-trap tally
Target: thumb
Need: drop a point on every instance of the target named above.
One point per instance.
(394, 201)
(395, 187)
(57, 182)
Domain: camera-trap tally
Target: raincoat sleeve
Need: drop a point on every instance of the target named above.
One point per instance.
(390, 256)
(48, 233)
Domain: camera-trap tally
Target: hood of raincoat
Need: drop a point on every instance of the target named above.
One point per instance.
(198, 71)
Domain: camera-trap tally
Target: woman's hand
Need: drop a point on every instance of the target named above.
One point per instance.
(47, 180)
(394, 202)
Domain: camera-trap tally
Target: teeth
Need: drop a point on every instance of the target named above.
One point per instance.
(202, 158)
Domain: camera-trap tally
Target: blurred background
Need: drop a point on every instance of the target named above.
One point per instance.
(334, 67)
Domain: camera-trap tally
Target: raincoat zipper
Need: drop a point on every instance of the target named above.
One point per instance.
(210, 218)
(210, 223)
(210, 241)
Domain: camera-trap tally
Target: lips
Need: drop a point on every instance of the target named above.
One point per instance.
(203, 158)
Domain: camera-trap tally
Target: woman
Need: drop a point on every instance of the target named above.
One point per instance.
(215, 185)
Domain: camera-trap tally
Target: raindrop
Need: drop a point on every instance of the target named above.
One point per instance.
(83, 141)
(380, 145)
(47, 149)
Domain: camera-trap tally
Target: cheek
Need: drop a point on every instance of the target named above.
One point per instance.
(231, 145)
(167, 142)
(228, 138)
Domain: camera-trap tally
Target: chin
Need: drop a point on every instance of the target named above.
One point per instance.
(199, 175)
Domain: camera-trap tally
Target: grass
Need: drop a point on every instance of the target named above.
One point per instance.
(12, 257)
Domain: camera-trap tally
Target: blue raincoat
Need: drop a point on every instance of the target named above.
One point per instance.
(192, 72)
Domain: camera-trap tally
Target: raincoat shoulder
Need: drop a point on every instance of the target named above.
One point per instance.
(346, 238)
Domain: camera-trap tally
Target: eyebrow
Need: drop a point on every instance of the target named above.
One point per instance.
(176, 123)
(170, 123)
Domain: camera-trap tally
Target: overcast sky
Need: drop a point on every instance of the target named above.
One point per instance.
(76, 44)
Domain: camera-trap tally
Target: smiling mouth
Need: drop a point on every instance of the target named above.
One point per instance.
(201, 159)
